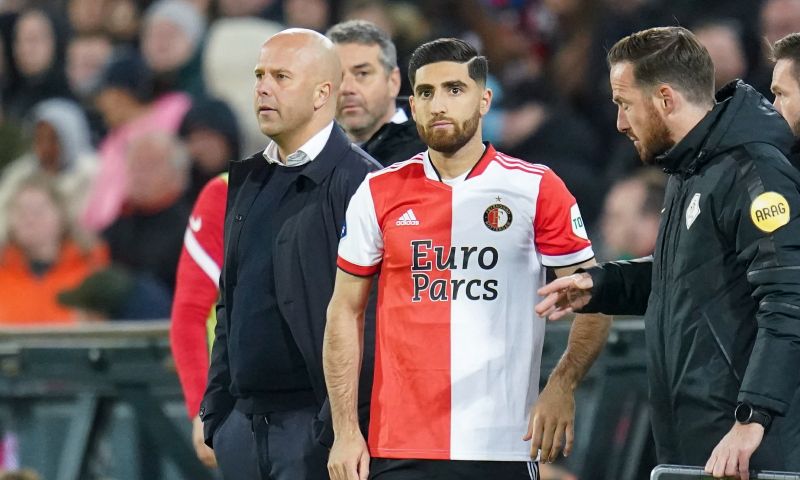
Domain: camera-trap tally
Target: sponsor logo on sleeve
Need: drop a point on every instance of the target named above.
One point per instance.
(769, 211)
(578, 228)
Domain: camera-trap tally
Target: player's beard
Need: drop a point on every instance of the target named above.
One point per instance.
(655, 139)
(449, 143)
(796, 130)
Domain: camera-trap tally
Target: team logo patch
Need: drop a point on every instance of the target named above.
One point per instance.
(497, 217)
(692, 211)
(769, 211)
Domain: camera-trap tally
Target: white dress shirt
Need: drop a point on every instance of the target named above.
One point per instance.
(306, 153)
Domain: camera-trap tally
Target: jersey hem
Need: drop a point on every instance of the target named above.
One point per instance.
(357, 270)
(403, 454)
(559, 261)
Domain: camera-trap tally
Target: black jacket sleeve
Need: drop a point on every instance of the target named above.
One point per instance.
(768, 243)
(217, 401)
(620, 288)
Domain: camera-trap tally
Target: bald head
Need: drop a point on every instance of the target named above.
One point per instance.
(313, 51)
(298, 76)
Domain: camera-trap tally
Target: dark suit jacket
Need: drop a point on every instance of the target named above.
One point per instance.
(304, 256)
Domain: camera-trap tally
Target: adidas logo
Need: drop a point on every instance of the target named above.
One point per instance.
(408, 218)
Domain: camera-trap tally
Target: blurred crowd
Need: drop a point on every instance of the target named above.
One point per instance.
(115, 114)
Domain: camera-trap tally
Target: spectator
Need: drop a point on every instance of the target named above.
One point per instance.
(211, 134)
(87, 56)
(61, 150)
(171, 37)
(42, 257)
(126, 102)
(148, 236)
(366, 107)
(552, 133)
(38, 55)
(631, 215)
(779, 18)
(311, 14)
(265, 9)
(115, 293)
(87, 16)
(722, 39)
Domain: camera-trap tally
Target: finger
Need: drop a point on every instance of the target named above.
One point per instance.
(719, 466)
(744, 465)
(548, 304)
(560, 313)
(536, 431)
(556, 285)
(529, 434)
(709, 468)
(558, 442)
(570, 433)
(732, 465)
(548, 432)
(363, 468)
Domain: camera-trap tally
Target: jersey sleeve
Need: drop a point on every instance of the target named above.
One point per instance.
(196, 291)
(559, 233)
(361, 245)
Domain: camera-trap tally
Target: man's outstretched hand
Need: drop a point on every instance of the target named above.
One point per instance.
(564, 295)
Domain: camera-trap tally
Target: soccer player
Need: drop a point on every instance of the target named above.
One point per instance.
(461, 235)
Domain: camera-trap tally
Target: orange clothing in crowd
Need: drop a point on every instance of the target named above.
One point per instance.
(30, 300)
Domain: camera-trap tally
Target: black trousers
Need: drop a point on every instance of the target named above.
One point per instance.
(235, 448)
(396, 469)
(287, 448)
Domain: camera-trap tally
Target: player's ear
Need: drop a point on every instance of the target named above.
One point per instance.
(413, 107)
(486, 101)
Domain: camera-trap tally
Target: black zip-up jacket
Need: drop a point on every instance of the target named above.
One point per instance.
(722, 291)
(395, 142)
(304, 256)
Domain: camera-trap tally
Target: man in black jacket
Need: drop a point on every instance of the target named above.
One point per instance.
(285, 215)
(721, 295)
(367, 109)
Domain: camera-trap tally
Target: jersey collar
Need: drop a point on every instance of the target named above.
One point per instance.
(488, 155)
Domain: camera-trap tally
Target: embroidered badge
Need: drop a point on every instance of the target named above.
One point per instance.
(692, 211)
(497, 217)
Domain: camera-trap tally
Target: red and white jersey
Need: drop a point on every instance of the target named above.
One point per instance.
(458, 346)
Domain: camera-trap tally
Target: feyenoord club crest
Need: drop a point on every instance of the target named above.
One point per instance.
(497, 217)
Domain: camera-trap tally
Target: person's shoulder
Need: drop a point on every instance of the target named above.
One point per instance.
(762, 159)
(515, 164)
(356, 160)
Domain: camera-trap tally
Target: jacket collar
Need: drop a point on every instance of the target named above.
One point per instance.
(329, 157)
(315, 171)
(688, 155)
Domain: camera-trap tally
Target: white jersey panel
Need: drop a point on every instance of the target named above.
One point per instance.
(496, 340)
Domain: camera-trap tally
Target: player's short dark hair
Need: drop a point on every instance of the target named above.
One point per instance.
(788, 48)
(363, 32)
(449, 50)
(668, 55)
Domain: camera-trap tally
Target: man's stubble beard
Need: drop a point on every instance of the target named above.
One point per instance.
(450, 143)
